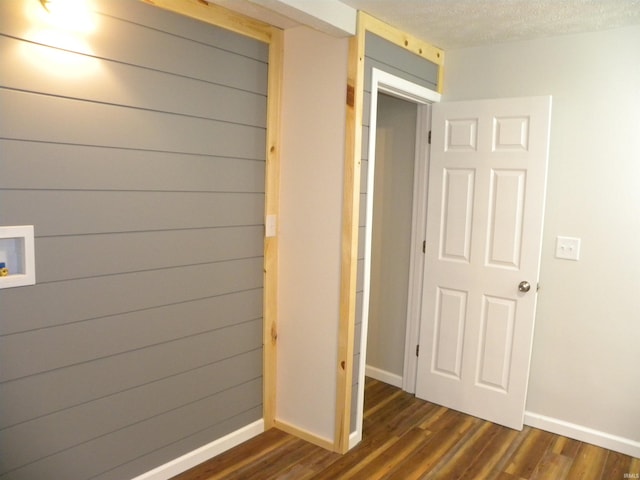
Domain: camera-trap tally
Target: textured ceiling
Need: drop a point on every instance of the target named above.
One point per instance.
(451, 24)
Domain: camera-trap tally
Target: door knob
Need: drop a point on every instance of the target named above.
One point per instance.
(524, 286)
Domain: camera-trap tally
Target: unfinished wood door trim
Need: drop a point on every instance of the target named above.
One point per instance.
(351, 203)
(272, 202)
(349, 247)
(238, 23)
(218, 16)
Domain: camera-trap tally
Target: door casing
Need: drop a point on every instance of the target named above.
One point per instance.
(390, 84)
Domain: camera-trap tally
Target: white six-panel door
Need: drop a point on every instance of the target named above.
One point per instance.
(485, 209)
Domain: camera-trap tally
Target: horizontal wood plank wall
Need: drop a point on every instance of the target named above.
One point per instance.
(142, 167)
(384, 47)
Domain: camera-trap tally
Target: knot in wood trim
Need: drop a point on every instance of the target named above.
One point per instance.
(351, 95)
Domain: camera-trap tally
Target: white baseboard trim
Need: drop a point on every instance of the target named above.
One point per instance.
(383, 376)
(355, 438)
(204, 453)
(584, 434)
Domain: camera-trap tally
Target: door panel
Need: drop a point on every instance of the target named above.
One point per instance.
(496, 342)
(484, 232)
(450, 316)
(506, 210)
(457, 208)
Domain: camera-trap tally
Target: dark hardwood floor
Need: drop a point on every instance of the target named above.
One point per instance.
(407, 438)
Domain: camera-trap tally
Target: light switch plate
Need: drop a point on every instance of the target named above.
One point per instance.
(568, 248)
(271, 228)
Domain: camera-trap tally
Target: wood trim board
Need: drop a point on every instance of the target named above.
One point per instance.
(272, 202)
(351, 207)
(349, 260)
(218, 16)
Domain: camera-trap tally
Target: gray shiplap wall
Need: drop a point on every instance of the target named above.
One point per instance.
(388, 57)
(141, 165)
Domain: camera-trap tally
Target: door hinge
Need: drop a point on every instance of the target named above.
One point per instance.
(417, 350)
(429, 139)
(424, 246)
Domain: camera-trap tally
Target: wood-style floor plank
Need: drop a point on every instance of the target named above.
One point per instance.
(407, 438)
(496, 453)
(552, 465)
(588, 464)
(385, 459)
(616, 465)
(457, 464)
(528, 455)
(446, 432)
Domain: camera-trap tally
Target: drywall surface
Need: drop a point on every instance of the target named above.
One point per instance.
(586, 350)
(312, 162)
(391, 243)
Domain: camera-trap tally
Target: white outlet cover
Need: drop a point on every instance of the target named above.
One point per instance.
(568, 248)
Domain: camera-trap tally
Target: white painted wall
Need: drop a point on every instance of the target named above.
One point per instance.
(391, 235)
(312, 163)
(586, 352)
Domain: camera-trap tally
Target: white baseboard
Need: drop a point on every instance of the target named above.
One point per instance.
(383, 376)
(204, 453)
(584, 434)
(355, 438)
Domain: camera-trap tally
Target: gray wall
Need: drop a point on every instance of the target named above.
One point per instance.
(141, 166)
(391, 233)
(384, 55)
(584, 367)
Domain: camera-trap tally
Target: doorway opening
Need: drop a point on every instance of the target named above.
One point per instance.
(391, 228)
(394, 233)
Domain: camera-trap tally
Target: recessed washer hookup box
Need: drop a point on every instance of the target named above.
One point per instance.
(17, 255)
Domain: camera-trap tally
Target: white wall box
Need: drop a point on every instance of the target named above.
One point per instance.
(568, 248)
(17, 253)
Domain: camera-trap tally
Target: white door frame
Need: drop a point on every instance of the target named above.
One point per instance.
(385, 82)
(416, 258)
